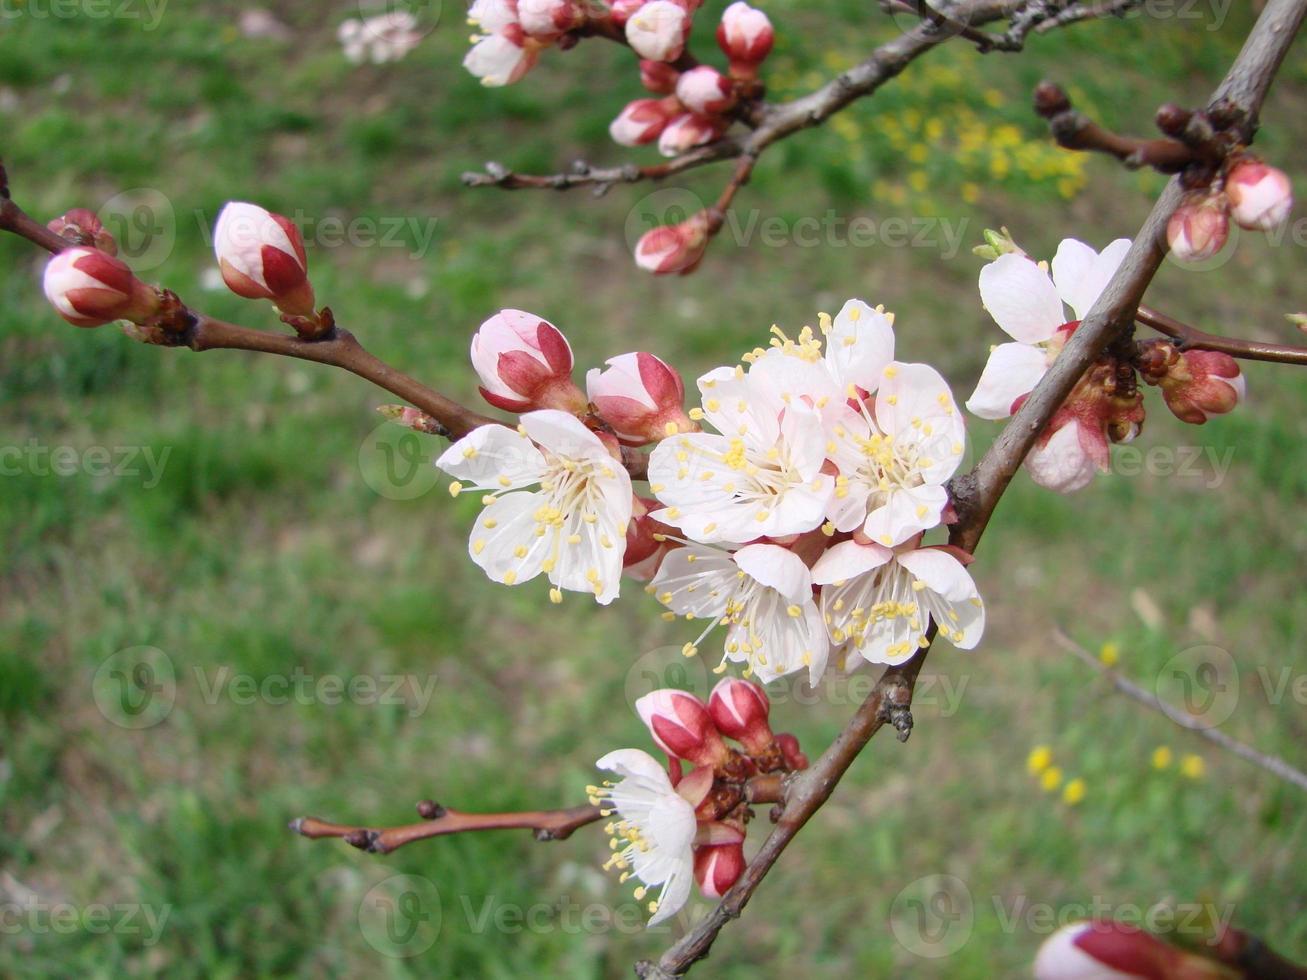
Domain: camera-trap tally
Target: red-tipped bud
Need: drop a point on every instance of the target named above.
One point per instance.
(688, 131)
(793, 755)
(261, 256)
(525, 363)
(1260, 196)
(673, 248)
(746, 36)
(657, 30)
(83, 227)
(644, 549)
(90, 288)
(718, 867)
(682, 727)
(658, 77)
(1107, 950)
(705, 90)
(1202, 383)
(1198, 229)
(641, 397)
(643, 121)
(739, 709)
(549, 19)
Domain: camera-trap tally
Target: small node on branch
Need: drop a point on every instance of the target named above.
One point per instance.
(361, 838)
(430, 810)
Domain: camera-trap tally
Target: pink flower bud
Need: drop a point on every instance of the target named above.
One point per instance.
(1198, 229)
(657, 31)
(642, 121)
(261, 256)
(673, 248)
(641, 397)
(549, 19)
(658, 77)
(1202, 383)
(1260, 196)
(90, 288)
(718, 867)
(739, 709)
(793, 755)
(688, 131)
(705, 90)
(646, 541)
(525, 363)
(1107, 950)
(681, 726)
(83, 227)
(502, 58)
(746, 36)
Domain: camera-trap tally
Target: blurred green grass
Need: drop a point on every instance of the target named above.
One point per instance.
(264, 548)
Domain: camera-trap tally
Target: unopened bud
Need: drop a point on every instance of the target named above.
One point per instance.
(658, 77)
(641, 397)
(549, 19)
(1198, 229)
(90, 288)
(790, 751)
(657, 31)
(621, 10)
(1260, 196)
(261, 256)
(525, 363)
(502, 58)
(1108, 950)
(673, 248)
(739, 709)
(705, 90)
(687, 131)
(643, 121)
(682, 727)
(1202, 383)
(746, 36)
(718, 867)
(83, 227)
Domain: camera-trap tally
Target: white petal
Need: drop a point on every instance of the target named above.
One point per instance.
(777, 568)
(1081, 273)
(1021, 298)
(847, 560)
(860, 344)
(700, 581)
(489, 452)
(907, 512)
(1012, 370)
(941, 572)
(563, 434)
(635, 763)
(495, 548)
(1062, 465)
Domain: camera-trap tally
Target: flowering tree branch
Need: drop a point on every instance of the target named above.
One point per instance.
(1271, 763)
(1192, 337)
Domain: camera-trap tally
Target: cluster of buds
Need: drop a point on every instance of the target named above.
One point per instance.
(1110, 950)
(672, 824)
(1196, 384)
(512, 33)
(1256, 196)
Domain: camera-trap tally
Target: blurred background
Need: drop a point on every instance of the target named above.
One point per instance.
(240, 598)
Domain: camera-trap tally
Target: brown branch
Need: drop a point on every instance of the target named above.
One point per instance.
(1271, 763)
(1191, 338)
(1073, 130)
(1253, 958)
(976, 494)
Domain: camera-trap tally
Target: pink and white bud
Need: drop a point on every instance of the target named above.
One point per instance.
(1198, 229)
(83, 227)
(705, 90)
(1260, 196)
(643, 121)
(658, 77)
(717, 867)
(795, 760)
(657, 31)
(620, 11)
(673, 248)
(682, 727)
(641, 397)
(525, 363)
(502, 58)
(739, 709)
(261, 256)
(687, 131)
(1108, 950)
(746, 36)
(549, 19)
(1202, 383)
(646, 541)
(89, 288)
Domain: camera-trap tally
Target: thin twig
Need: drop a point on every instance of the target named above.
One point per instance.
(1271, 763)
(1191, 338)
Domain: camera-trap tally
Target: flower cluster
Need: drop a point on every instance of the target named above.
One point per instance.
(1028, 299)
(672, 826)
(378, 39)
(1258, 197)
(795, 524)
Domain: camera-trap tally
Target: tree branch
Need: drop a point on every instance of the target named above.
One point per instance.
(1191, 338)
(1271, 763)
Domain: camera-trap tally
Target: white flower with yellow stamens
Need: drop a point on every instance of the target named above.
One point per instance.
(879, 601)
(894, 459)
(653, 837)
(762, 594)
(573, 528)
